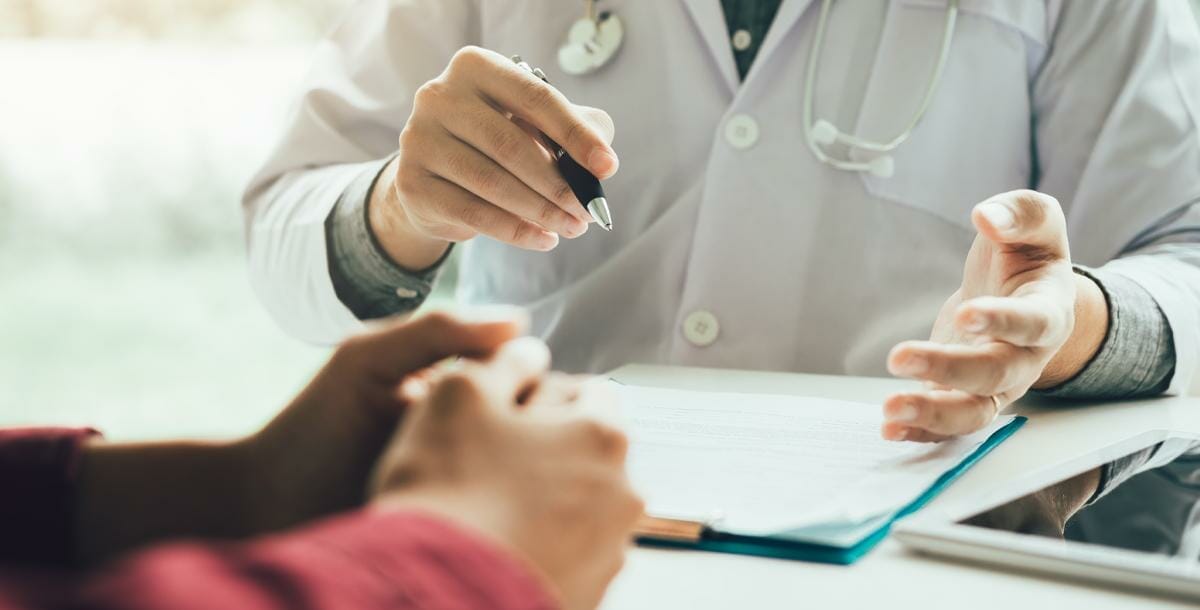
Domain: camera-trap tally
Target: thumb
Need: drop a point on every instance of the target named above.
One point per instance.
(1024, 221)
(400, 349)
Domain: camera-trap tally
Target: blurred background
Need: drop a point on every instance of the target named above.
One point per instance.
(127, 130)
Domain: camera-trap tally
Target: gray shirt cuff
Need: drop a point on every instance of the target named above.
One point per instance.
(1116, 472)
(1137, 357)
(364, 277)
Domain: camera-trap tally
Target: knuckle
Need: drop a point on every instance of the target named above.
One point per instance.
(505, 144)
(997, 372)
(432, 93)
(934, 417)
(469, 57)
(563, 195)
(547, 214)
(484, 177)
(472, 216)
(538, 96)
(521, 232)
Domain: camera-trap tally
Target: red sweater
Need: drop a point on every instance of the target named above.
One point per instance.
(362, 560)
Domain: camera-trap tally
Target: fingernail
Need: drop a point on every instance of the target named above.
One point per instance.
(530, 350)
(548, 241)
(602, 163)
(413, 389)
(915, 365)
(896, 434)
(906, 412)
(998, 216)
(575, 228)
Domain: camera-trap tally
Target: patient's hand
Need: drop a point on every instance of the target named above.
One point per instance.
(315, 457)
(524, 459)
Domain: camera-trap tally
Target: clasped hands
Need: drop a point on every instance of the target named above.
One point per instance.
(492, 442)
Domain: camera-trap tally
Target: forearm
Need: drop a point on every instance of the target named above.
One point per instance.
(129, 495)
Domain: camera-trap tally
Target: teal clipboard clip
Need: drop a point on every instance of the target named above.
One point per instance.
(669, 532)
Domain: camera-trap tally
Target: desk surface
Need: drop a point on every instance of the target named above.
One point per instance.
(1053, 444)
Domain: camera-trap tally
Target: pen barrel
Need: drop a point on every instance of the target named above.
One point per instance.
(585, 186)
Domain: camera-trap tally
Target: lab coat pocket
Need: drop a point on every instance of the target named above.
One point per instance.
(975, 139)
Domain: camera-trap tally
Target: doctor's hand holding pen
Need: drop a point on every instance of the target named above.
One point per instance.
(472, 161)
(1022, 319)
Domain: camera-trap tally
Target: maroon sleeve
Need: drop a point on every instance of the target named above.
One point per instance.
(361, 561)
(38, 467)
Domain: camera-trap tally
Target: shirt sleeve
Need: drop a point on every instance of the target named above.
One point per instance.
(355, 101)
(1137, 357)
(364, 277)
(38, 470)
(1117, 140)
(364, 560)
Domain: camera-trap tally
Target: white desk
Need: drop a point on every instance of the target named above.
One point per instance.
(1049, 446)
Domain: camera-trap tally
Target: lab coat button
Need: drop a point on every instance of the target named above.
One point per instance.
(741, 131)
(701, 328)
(742, 40)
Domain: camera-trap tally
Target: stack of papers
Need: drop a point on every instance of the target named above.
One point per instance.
(784, 468)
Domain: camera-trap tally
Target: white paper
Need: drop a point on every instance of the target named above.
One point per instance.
(763, 464)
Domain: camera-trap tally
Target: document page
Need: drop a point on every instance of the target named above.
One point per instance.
(762, 464)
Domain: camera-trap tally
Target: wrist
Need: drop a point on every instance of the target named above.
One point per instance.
(312, 460)
(389, 223)
(1087, 336)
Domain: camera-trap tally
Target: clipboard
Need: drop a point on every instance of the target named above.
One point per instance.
(671, 532)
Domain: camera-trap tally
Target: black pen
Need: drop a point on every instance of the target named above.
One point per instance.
(586, 187)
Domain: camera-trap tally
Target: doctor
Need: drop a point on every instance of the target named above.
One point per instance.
(798, 185)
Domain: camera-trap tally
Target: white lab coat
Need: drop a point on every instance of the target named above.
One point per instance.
(720, 207)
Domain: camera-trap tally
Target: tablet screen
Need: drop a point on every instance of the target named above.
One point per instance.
(1148, 501)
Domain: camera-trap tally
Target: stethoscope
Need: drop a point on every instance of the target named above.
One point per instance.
(823, 133)
(592, 41)
(596, 37)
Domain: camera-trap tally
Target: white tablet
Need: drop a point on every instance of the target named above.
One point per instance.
(1143, 534)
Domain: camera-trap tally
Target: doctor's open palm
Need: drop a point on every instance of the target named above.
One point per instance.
(470, 163)
(999, 333)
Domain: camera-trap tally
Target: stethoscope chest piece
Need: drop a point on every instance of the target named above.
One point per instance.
(591, 44)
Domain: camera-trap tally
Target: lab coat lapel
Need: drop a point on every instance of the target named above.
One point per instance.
(789, 13)
(709, 19)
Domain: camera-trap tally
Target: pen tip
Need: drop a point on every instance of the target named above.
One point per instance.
(598, 208)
